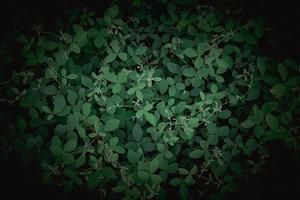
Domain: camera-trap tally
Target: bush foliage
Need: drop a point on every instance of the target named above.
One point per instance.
(133, 105)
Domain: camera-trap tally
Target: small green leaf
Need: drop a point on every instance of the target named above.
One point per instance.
(195, 154)
(132, 156)
(179, 108)
(111, 125)
(184, 192)
(59, 104)
(150, 118)
(123, 56)
(212, 140)
(50, 90)
(110, 58)
(72, 76)
(222, 63)
(137, 132)
(56, 150)
(140, 50)
(189, 72)
(70, 145)
(100, 41)
(72, 97)
(175, 181)
(172, 67)
(283, 71)
(143, 174)
(154, 164)
(272, 121)
(248, 123)
(191, 53)
(86, 109)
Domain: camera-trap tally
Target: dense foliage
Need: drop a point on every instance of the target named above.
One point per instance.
(139, 104)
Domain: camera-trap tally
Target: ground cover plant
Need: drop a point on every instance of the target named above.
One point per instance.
(132, 106)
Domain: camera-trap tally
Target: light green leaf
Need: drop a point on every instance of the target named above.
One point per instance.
(72, 97)
(50, 90)
(222, 63)
(248, 123)
(191, 53)
(195, 154)
(272, 121)
(212, 140)
(137, 132)
(283, 71)
(172, 67)
(132, 156)
(140, 50)
(180, 107)
(123, 56)
(111, 125)
(70, 145)
(110, 58)
(59, 104)
(150, 118)
(189, 72)
(86, 109)
(154, 164)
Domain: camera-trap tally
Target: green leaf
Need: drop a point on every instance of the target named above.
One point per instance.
(93, 180)
(50, 90)
(114, 11)
(272, 121)
(116, 88)
(123, 56)
(140, 50)
(137, 132)
(56, 150)
(175, 181)
(198, 63)
(111, 125)
(46, 109)
(115, 46)
(262, 65)
(279, 90)
(191, 53)
(195, 154)
(132, 156)
(189, 72)
(70, 145)
(86, 109)
(72, 76)
(119, 189)
(224, 114)
(212, 140)
(283, 71)
(110, 58)
(172, 67)
(154, 164)
(162, 86)
(179, 108)
(59, 104)
(150, 118)
(50, 45)
(222, 63)
(184, 192)
(156, 179)
(72, 97)
(143, 174)
(248, 123)
(100, 41)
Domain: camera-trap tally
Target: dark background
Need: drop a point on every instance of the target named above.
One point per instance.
(279, 179)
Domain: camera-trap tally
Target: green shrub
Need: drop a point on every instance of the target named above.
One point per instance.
(137, 105)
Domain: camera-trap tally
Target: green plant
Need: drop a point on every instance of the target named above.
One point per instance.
(131, 106)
